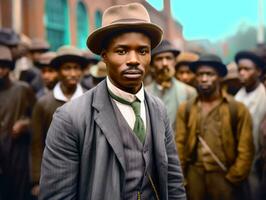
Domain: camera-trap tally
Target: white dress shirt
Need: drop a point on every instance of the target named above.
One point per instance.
(59, 95)
(126, 110)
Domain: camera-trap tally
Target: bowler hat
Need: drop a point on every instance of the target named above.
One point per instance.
(45, 59)
(121, 18)
(38, 44)
(9, 37)
(251, 56)
(5, 57)
(211, 60)
(68, 54)
(165, 46)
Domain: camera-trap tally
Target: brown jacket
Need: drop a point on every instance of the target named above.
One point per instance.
(238, 147)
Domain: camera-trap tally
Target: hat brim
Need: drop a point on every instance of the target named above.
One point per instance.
(221, 68)
(8, 63)
(59, 60)
(248, 55)
(95, 41)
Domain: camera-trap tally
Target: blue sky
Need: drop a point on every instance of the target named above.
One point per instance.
(212, 19)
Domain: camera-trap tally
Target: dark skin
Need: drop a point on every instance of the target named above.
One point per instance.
(127, 57)
(184, 74)
(208, 86)
(249, 74)
(69, 75)
(22, 124)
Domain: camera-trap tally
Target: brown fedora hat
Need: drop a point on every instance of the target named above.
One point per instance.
(6, 57)
(68, 54)
(38, 44)
(131, 17)
(45, 59)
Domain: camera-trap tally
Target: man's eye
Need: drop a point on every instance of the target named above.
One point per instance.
(121, 51)
(143, 51)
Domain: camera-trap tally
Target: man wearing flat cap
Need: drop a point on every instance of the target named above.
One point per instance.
(253, 94)
(114, 142)
(213, 136)
(16, 102)
(170, 90)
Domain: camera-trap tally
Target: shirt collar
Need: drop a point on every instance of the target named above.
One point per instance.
(125, 95)
(59, 95)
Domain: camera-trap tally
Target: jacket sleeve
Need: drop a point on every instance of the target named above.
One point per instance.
(176, 188)
(244, 147)
(37, 145)
(180, 134)
(60, 164)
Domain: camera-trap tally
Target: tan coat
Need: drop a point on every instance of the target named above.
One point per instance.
(238, 152)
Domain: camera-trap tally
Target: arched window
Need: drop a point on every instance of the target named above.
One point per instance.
(98, 19)
(82, 25)
(56, 21)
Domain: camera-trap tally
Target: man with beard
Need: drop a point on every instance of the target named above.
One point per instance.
(69, 63)
(16, 100)
(213, 136)
(171, 91)
(253, 95)
(114, 142)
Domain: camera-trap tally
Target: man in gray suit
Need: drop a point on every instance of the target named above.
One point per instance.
(115, 142)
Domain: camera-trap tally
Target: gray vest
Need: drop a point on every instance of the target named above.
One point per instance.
(139, 159)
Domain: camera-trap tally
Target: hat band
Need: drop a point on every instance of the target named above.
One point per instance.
(129, 20)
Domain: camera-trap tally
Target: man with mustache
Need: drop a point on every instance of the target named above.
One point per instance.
(68, 63)
(170, 90)
(213, 136)
(114, 142)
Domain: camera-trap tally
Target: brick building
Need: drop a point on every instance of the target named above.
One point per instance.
(70, 21)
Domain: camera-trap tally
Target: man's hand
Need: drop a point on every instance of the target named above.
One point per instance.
(19, 127)
(35, 190)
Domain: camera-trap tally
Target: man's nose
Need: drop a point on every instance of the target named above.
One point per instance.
(133, 58)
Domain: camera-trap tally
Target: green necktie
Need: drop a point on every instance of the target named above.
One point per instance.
(139, 128)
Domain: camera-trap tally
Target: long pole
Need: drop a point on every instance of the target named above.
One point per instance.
(260, 36)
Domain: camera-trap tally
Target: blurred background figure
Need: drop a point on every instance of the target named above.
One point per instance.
(231, 83)
(182, 70)
(214, 137)
(253, 95)
(96, 75)
(16, 100)
(48, 73)
(69, 64)
(32, 75)
(171, 91)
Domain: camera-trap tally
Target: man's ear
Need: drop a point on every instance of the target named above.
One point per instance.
(103, 55)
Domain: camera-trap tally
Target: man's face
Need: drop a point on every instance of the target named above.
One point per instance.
(127, 58)
(208, 80)
(184, 74)
(248, 72)
(164, 66)
(49, 76)
(69, 74)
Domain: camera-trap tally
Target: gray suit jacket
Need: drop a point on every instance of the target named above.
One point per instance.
(84, 156)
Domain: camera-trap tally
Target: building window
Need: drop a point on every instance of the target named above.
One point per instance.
(82, 25)
(98, 19)
(56, 21)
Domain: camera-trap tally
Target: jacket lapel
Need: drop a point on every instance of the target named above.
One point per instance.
(106, 120)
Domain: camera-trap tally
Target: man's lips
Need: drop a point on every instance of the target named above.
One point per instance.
(132, 73)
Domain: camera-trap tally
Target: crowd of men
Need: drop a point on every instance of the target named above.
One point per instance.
(213, 118)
